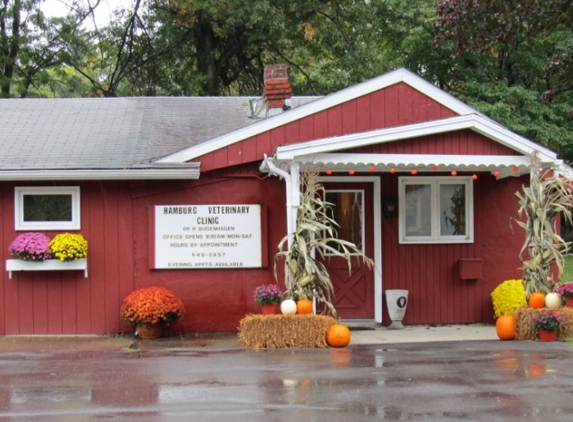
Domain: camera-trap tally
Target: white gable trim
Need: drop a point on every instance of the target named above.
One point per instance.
(474, 122)
(337, 98)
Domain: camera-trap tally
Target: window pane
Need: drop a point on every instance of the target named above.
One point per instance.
(347, 212)
(452, 210)
(47, 207)
(418, 210)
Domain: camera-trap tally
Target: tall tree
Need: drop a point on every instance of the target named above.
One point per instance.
(226, 43)
(512, 60)
(31, 44)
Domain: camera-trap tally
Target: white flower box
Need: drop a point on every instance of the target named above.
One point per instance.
(47, 265)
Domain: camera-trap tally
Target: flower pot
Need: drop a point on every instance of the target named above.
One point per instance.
(396, 301)
(545, 335)
(270, 309)
(149, 331)
(569, 302)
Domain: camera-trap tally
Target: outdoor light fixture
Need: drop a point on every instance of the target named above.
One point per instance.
(389, 208)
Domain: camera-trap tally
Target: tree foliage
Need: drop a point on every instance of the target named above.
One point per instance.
(512, 61)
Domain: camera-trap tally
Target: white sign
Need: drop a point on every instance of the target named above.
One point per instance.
(208, 236)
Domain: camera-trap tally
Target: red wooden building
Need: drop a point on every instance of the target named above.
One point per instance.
(194, 194)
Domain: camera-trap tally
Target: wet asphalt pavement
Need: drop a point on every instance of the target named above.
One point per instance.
(445, 381)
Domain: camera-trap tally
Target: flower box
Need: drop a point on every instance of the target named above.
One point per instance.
(47, 265)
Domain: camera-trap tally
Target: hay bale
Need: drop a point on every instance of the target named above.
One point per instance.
(274, 331)
(524, 329)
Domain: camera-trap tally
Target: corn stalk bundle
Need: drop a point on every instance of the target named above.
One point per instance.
(314, 236)
(539, 205)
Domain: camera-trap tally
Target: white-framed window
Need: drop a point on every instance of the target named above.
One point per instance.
(435, 210)
(47, 208)
(348, 212)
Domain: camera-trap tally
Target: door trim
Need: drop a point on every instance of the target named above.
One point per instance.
(377, 215)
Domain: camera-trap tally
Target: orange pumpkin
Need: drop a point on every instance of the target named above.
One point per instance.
(536, 300)
(304, 306)
(338, 335)
(505, 327)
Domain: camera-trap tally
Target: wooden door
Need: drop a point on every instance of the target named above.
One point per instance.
(353, 210)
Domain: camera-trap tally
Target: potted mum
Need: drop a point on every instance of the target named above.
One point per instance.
(269, 297)
(69, 247)
(151, 308)
(566, 291)
(33, 247)
(547, 322)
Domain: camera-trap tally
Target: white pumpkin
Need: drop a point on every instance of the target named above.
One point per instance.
(552, 300)
(288, 307)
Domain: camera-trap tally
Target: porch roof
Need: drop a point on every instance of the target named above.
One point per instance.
(328, 153)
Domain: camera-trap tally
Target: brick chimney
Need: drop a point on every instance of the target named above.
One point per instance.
(277, 88)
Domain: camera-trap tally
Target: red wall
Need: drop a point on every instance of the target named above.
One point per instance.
(114, 218)
(115, 222)
(216, 300)
(65, 302)
(437, 294)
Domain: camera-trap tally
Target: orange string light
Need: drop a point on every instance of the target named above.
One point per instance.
(414, 172)
(474, 177)
(351, 172)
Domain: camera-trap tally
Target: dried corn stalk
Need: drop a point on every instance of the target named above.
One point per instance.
(315, 234)
(540, 203)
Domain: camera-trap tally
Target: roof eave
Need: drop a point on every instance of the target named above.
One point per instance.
(89, 174)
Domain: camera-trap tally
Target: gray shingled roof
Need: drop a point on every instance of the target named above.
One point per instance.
(111, 133)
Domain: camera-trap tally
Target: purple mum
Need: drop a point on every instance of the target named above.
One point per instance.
(269, 294)
(565, 290)
(31, 247)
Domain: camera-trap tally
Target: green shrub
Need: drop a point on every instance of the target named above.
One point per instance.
(507, 297)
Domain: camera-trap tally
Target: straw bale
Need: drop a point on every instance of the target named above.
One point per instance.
(524, 329)
(275, 331)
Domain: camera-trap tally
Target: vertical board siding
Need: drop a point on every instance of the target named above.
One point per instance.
(395, 105)
(115, 222)
(464, 142)
(216, 299)
(430, 272)
(66, 302)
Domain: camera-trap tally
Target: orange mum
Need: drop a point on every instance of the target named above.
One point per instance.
(153, 305)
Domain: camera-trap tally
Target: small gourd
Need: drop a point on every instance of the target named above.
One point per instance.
(552, 300)
(536, 300)
(288, 307)
(304, 306)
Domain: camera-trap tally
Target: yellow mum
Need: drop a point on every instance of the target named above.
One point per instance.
(69, 247)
